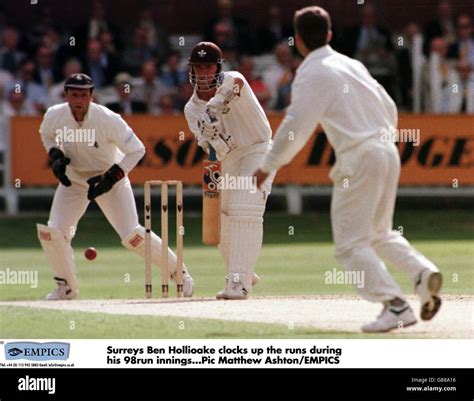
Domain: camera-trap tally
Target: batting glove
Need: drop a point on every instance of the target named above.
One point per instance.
(210, 125)
(58, 162)
(100, 184)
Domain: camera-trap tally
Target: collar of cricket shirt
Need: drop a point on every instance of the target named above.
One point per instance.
(320, 52)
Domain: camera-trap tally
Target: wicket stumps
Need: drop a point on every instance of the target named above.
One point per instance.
(165, 276)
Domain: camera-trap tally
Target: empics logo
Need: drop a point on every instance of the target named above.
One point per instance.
(37, 351)
(28, 383)
(14, 352)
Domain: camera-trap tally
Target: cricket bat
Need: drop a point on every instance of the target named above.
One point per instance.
(211, 202)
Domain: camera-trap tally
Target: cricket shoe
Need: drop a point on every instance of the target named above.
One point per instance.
(62, 292)
(428, 287)
(392, 317)
(234, 292)
(255, 280)
(188, 284)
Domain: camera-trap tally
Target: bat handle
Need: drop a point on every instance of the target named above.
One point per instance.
(212, 153)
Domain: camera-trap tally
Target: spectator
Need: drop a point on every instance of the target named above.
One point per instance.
(284, 86)
(18, 105)
(33, 93)
(138, 52)
(3, 23)
(371, 44)
(108, 43)
(10, 56)
(239, 27)
(439, 78)
(273, 31)
(167, 106)
(463, 48)
(148, 88)
(61, 49)
(41, 25)
(95, 26)
(123, 102)
(464, 101)
(173, 74)
(99, 65)
(259, 88)
(185, 91)
(44, 73)
(56, 92)
(404, 60)
(363, 38)
(443, 26)
(6, 81)
(157, 37)
(226, 40)
(278, 70)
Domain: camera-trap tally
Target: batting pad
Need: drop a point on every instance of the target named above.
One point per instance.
(246, 235)
(135, 241)
(59, 254)
(224, 245)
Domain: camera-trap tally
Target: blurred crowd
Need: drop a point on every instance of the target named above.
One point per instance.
(136, 69)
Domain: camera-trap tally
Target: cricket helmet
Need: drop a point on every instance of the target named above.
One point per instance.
(205, 53)
(79, 81)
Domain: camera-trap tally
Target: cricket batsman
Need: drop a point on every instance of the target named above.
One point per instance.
(95, 169)
(355, 111)
(223, 113)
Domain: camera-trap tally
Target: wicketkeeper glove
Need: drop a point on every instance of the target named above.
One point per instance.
(58, 162)
(100, 184)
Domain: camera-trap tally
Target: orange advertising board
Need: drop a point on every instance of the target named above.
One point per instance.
(445, 152)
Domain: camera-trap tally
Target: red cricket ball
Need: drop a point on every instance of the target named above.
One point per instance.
(90, 253)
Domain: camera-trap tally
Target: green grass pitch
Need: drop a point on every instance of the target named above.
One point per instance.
(297, 252)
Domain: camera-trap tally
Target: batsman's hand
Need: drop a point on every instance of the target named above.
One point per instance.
(210, 126)
(100, 184)
(58, 163)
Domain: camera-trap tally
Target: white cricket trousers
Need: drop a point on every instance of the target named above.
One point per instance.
(118, 206)
(362, 206)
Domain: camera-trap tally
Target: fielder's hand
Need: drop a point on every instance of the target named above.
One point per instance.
(58, 164)
(260, 176)
(100, 184)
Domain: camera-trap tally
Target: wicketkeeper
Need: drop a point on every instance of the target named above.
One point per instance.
(92, 169)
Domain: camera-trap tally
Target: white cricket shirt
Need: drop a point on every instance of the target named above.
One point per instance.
(340, 94)
(243, 118)
(94, 145)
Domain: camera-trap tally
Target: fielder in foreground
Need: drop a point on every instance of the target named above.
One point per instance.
(224, 113)
(91, 150)
(354, 111)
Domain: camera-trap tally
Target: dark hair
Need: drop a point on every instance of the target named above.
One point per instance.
(313, 24)
(68, 89)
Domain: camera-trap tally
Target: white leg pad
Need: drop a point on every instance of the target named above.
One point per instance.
(59, 254)
(224, 245)
(135, 241)
(246, 235)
